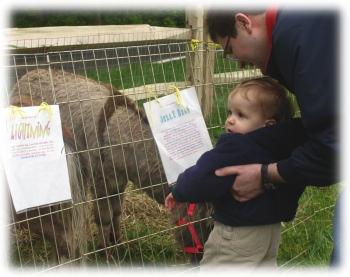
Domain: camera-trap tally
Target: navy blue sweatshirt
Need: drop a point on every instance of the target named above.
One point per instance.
(304, 58)
(200, 184)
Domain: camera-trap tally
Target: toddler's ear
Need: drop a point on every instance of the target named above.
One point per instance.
(269, 122)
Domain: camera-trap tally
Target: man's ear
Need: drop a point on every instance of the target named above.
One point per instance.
(269, 122)
(243, 21)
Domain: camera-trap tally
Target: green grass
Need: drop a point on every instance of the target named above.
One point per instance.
(142, 247)
(307, 240)
(29, 251)
(137, 75)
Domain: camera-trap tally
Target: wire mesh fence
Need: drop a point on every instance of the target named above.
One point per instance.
(117, 219)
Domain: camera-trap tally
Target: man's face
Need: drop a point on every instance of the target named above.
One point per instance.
(229, 50)
(249, 47)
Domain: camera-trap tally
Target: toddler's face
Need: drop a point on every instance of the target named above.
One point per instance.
(244, 115)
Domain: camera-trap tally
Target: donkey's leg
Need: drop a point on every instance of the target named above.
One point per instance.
(107, 210)
(117, 203)
(103, 216)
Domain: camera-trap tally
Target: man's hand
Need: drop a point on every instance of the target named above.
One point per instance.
(248, 181)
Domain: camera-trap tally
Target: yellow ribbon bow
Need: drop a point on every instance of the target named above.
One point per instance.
(194, 43)
(45, 106)
(14, 110)
(149, 95)
(178, 96)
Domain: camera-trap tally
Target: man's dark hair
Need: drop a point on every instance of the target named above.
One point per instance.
(221, 22)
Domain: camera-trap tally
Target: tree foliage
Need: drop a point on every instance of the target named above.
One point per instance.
(162, 18)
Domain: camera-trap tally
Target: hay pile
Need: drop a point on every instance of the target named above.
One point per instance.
(137, 205)
(141, 206)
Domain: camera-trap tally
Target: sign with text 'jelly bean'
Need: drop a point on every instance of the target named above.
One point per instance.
(34, 157)
(179, 130)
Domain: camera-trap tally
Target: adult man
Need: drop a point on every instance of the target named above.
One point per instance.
(299, 49)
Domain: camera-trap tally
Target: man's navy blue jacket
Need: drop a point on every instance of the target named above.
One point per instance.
(200, 184)
(304, 58)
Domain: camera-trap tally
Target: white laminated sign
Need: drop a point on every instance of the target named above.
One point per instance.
(179, 130)
(34, 157)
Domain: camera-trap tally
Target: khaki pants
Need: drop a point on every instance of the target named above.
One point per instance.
(243, 249)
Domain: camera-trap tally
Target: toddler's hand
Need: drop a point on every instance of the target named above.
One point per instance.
(170, 202)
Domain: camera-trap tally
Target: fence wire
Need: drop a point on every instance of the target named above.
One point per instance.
(144, 236)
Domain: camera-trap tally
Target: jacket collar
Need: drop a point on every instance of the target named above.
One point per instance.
(271, 16)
